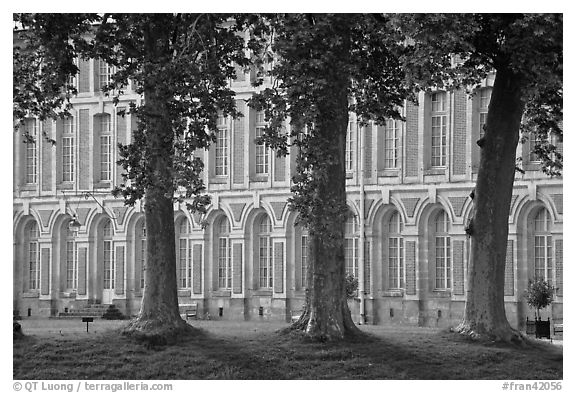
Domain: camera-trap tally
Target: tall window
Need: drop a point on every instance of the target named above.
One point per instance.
(391, 143)
(262, 151)
(33, 256)
(68, 150)
(71, 262)
(31, 127)
(485, 95)
(265, 252)
(442, 251)
(106, 73)
(224, 254)
(350, 146)
(105, 148)
(532, 142)
(142, 239)
(351, 236)
(395, 253)
(542, 246)
(439, 129)
(304, 260)
(221, 148)
(184, 254)
(108, 255)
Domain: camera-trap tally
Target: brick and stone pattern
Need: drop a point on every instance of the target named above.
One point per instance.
(197, 268)
(121, 133)
(411, 268)
(459, 134)
(82, 253)
(509, 270)
(84, 76)
(367, 259)
(45, 271)
(47, 164)
(119, 281)
(238, 148)
(366, 133)
(279, 167)
(411, 139)
(458, 257)
(237, 267)
(559, 267)
(84, 150)
(279, 267)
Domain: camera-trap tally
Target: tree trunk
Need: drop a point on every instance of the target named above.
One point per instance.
(159, 320)
(326, 315)
(485, 315)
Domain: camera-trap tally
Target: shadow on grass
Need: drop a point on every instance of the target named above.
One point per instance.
(275, 355)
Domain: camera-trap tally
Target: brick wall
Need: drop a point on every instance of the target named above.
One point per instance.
(509, 270)
(411, 139)
(458, 256)
(84, 150)
(459, 134)
(410, 268)
(47, 157)
(238, 148)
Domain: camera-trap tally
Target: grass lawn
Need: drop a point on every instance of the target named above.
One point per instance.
(61, 349)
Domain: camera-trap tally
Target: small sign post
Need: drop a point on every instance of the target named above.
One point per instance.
(87, 320)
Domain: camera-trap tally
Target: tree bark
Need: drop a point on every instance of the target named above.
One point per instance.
(159, 320)
(485, 314)
(326, 314)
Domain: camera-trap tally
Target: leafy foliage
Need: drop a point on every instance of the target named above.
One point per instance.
(351, 286)
(459, 50)
(539, 294)
(316, 57)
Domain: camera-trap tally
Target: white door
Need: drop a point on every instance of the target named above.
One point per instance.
(109, 273)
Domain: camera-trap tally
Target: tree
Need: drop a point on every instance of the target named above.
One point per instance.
(539, 294)
(326, 66)
(525, 52)
(181, 64)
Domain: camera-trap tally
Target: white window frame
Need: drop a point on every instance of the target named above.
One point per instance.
(71, 263)
(221, 148)
(350, 154)
(184, 255)
(543, 253)
(105, 147)
(351, 240)
(303, 259)
(391, 143)
(105, 72)
(439, 130)
(31, 127)
(395, 253)
(265, 253)
(224, 255)
(442, 252)
(33, 257)
(108, 257)
(68, 137)
(262, 152)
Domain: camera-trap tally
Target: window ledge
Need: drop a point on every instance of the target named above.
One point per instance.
(65, 185)
(219, 180)
(263, 292)
(222, 293)
(435, 171)
(31, 294)
(393, 293)
(394, 172)
(442, 293)
(259, 178)
(184, 292)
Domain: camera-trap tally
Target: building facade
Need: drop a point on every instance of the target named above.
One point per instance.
(408, 184)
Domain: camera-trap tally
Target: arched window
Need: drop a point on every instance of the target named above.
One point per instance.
(109, 268)
(542, 246)
(442, 251)
(33, 252)
(71, 261)
(184, 255)
(141, 239)
(224, 254)
(351, 235)
(265, 252)
(395, 252)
